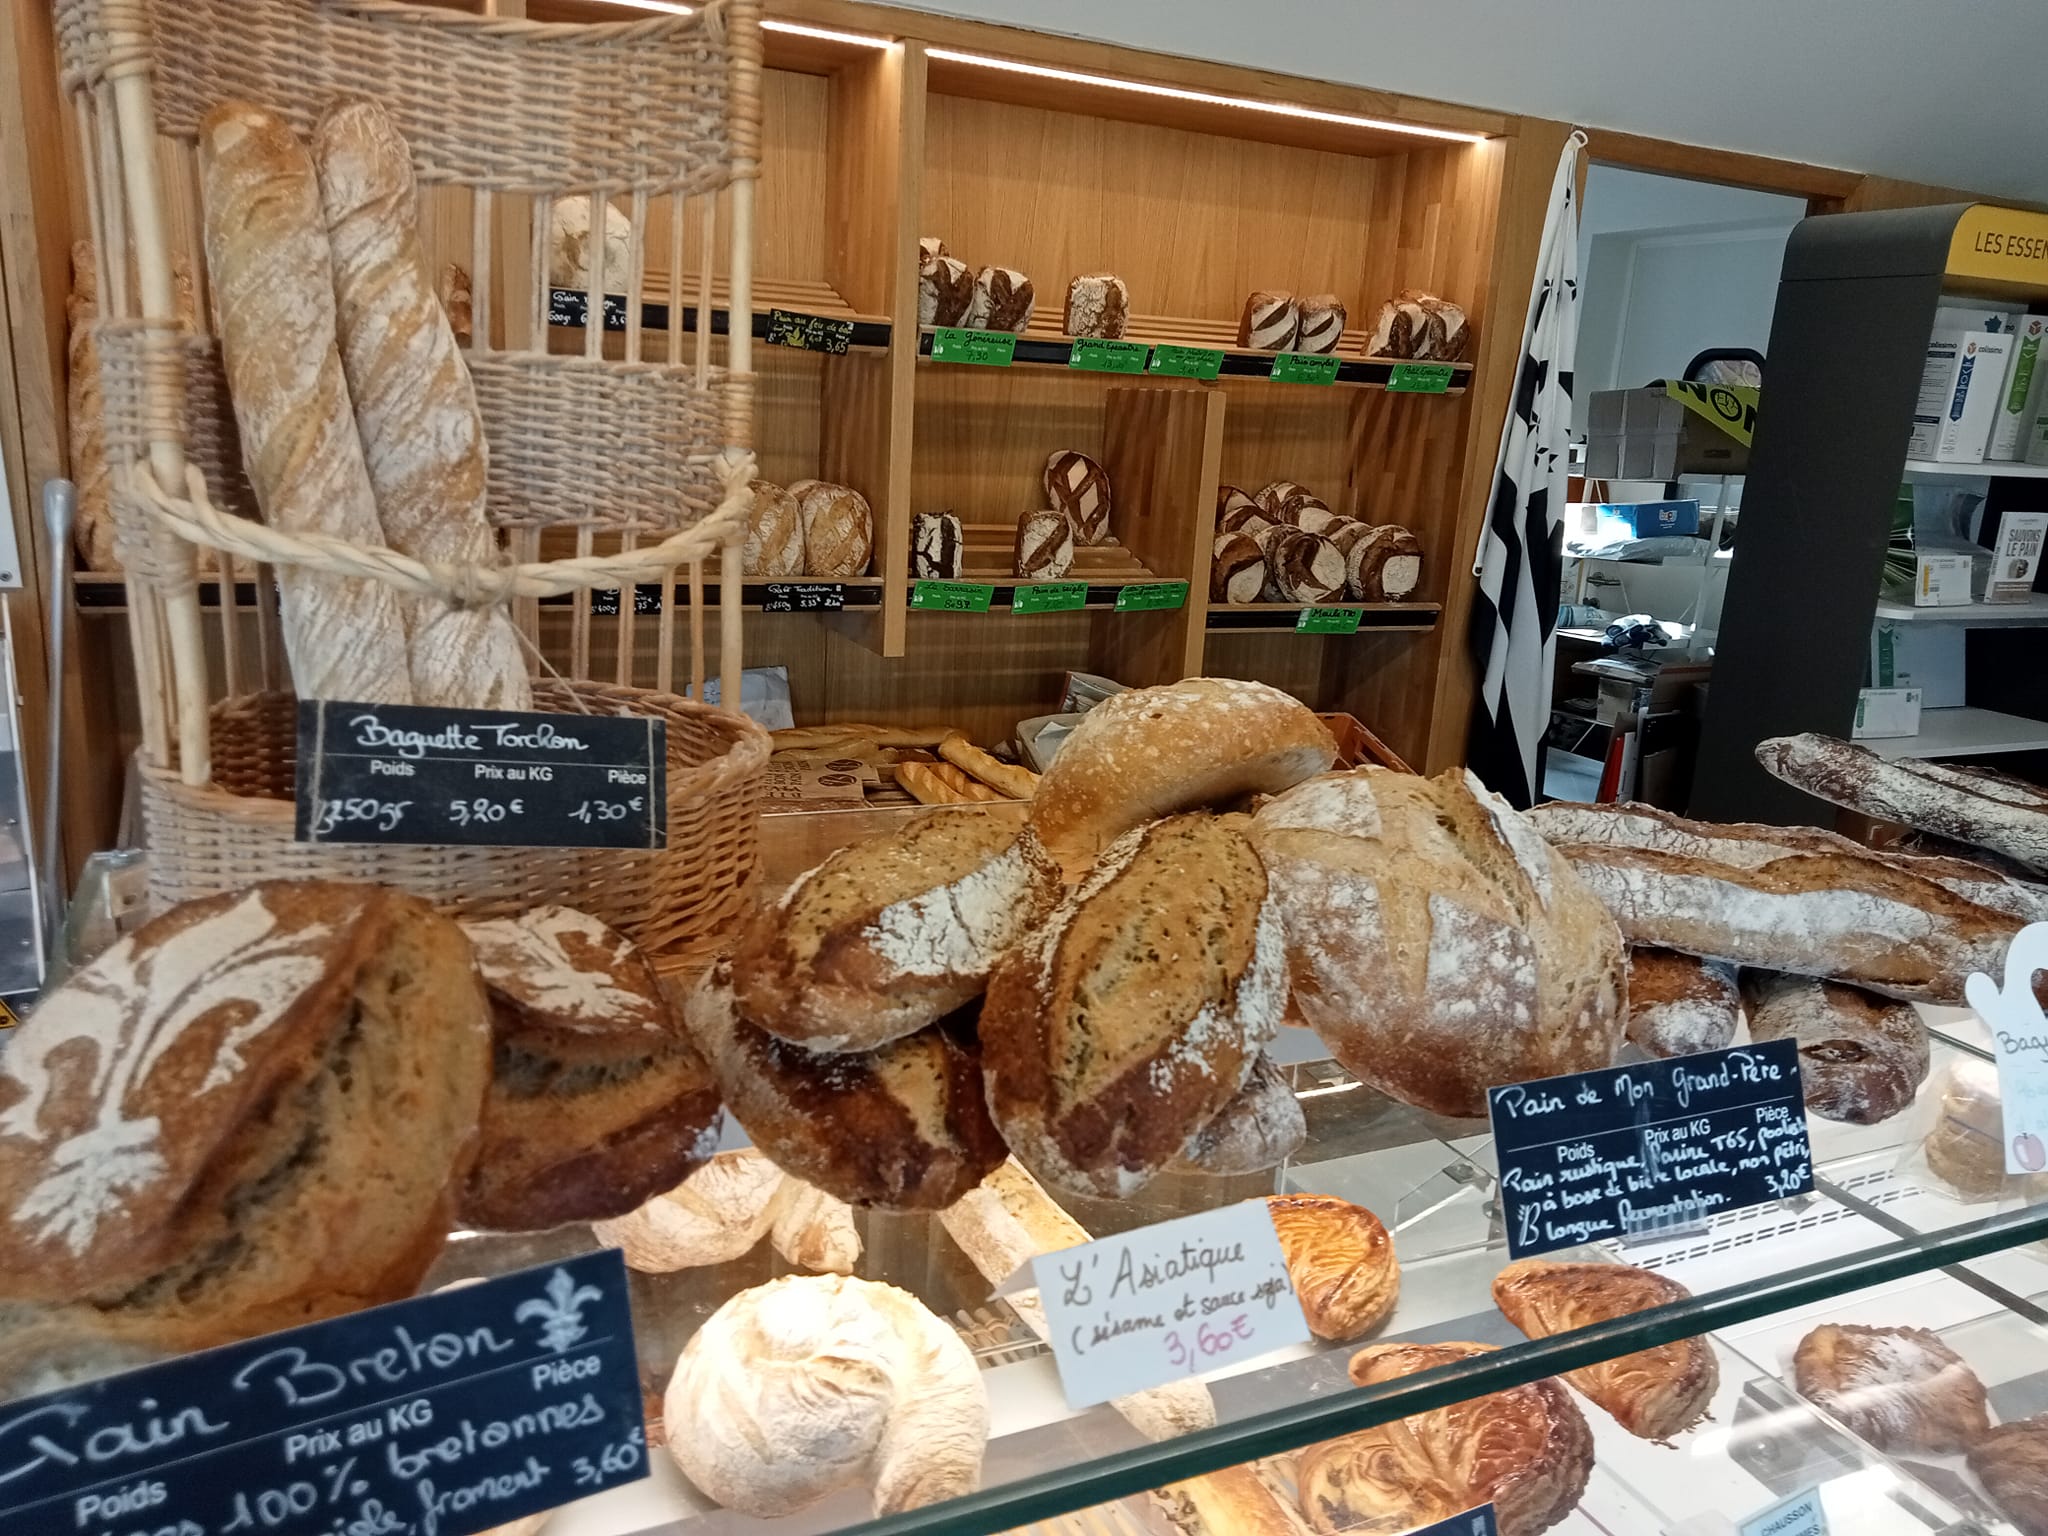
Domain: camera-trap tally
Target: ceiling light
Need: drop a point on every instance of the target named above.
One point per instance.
(1243, 103)
(826, 34)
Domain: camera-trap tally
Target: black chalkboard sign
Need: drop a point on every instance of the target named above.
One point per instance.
(808, 333)
(804, 597)
(402, 773)
(1474, 1522)
(604, 601)
(1631, 1152)
(440, 1416)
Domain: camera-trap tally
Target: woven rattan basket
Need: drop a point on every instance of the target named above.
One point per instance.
(605, 470)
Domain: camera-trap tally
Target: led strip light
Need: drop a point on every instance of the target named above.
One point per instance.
(823, 34)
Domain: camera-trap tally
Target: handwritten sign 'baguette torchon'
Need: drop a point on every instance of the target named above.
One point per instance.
(1166, 1301)
(1633, 1152)
(440, 1416)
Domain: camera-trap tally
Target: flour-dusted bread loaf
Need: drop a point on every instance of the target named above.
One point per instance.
(1322, 323)
(1384, 565)
(1445, 333)
(273, 290)
(598, 1099)
(573, 245)
(1403, 329)
(1655, 1393)
(1259, 1129)
(813, 1230)
(1002, 301)
(1862, 1058)
(2011, 1461)
(904, 1126)
(1274, 541)
(892, 933)
(1437, 945)
(1098, 304)
(1237, 572)
(1270, 322)
(1309, 569)
(1341, 1261)
(1045, 546)
(1965, 1147)
(1900, 1389)
(936, 544)
(1134, 1014)
(1284, 500)
(1346, 533)
(714, 1216)
(1680, 1004)
(423, 439)
(945, 289)
(774, 548)
(1079, 487)
(839, 530)
(1238, 513)
(189, 1123)
(817, 1382)
(1149, 752)
(1320, 521)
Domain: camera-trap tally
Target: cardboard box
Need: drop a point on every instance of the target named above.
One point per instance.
(1646, 519)
(1644, 434)
(2019, 399)
(1929, 657)
(1942, 581)
(1952, 318)
(1882, 712)
(1973, 400)
(2016, 557)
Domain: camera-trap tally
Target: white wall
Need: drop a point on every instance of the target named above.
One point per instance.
(1890, 87)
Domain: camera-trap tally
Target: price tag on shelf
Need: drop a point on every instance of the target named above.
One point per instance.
(604, 601)
(1143, 595)
(1800, 1515)
(403, 773)
(808, 333)
(952, 596)
(990, 349)
(454, 1412)
(1166, 1301)
(1646, 1151)
(2019, 1041)
(1305, 367)
(1101, 355)
(1187, 362)
(571, 306)
(1420, 378)
(1327, 621)
(804, 597)
(1049, 596)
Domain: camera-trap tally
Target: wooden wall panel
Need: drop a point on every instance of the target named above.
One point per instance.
(982, 436)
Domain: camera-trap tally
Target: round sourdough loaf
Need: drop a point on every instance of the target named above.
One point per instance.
(891, 934)
(813, 1383)
(775, 533)
(1679, 1004)
(1435, 942)
(903, 1126)
(1259, 1129)
(1153, 751)
(1135, 1014)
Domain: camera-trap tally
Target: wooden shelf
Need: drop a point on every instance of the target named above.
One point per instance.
(1048, 348)
(99, 592)
(567, 308)
(988, 553)
(1280, 618)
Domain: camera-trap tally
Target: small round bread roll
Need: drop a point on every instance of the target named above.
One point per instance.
(1045, 546)
(1679, 1004)
(775, 534)
(713, 1217)
(1385, 566)
(1149, 752)
(810, 1383)
(839, 530)
(1341, 1261)
(1259, 1129)
(1237, 574)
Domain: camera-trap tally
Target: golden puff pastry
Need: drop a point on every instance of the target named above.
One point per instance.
(1341, 1261)
(1901, 1389)
(2011, 1462)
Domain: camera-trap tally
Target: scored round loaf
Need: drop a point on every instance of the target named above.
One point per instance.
(1310, 570)
(1319, 520)
(1270, 322)
(712, 1217)
(1341, 1261)
(1045, 546)
(1384, 566)
(1079, 487)
(1345, 533)
(893, 933)
(1149, 752)
(1134, 1015)
(598, 1100)
(1273, 540)
(1862, 1058)
(1259, 1129)
(1282, 499)
(1237, 512)
(1680, 1004)
(1322, 323)
(904, 1126)
(1098, 304)
(839, 530)
(1237, 574)
(812, 1383)
(775, 534)
(1437, 945)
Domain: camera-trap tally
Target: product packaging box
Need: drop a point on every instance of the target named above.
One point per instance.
(1973, 400)
(1929, 657)
(2019, 400)
(1942, 581)
(2016, 557)
(1882, 712)
(1937, 376)
(1646, 519)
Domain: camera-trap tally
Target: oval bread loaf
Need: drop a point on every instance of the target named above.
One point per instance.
(1680, 1004)
(775, 533)
(1259, 1129)
(1045, 546)
(1384, 565)
(1862, 1058)
(839, 530)
(1237, 574)
(1136, 1013)
(1311, 569)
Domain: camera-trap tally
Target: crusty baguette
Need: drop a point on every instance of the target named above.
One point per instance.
(1018, 783)
(1815, 914)
(943, 784)
(1008, 1220)
(819, 738)
(273, 286)
(1981, 809)
(1861, 1058)
(415, 410)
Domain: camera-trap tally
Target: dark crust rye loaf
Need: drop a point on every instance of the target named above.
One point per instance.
(1861, 1058)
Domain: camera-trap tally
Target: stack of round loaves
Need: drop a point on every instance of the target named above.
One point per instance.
(813, 528)
(1285, 545)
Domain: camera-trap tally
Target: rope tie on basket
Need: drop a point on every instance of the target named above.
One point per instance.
(124, 38)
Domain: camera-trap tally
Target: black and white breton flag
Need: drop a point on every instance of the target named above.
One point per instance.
(1521, 551)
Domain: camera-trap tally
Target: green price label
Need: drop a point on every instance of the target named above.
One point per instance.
(1304, 368)
(1100, 355)
(1049, 596)
(991, 349)
(1327, 621)
(1187, 362)
(1152, 594)
(1420, 378)
(952, 596)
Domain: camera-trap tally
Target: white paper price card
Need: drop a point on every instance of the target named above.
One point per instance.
(1800, 1515)
(1167, 1301)
(2019, 1036)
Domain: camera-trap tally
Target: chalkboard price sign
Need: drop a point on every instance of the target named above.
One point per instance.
(402, 773)
(804, 597)
(440, 1416)
(808, 333)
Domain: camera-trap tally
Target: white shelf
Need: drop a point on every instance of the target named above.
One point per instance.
(2033, 612)
(1965, 732)
(1997, 468)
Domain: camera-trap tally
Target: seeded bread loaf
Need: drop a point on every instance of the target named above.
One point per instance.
(889, 935)
(1861, 1058)
(1679, 1004)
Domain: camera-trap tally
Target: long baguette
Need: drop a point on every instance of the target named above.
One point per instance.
(1017, 783)
(1814, 914)
(1983, 810)
(823, 738)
